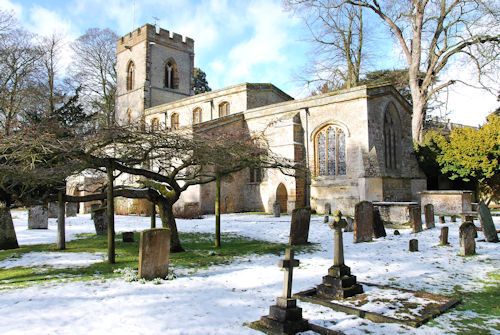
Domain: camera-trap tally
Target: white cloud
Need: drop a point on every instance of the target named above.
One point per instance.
(46, 22)
(15, 8)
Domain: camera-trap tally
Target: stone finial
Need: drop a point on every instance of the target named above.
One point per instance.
(337, 222)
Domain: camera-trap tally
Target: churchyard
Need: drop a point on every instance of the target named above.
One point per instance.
(220, 291)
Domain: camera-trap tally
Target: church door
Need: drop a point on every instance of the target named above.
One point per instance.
(282, 197)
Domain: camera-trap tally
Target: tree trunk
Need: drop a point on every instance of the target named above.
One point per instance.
(217, 210)
(111, 215)
(168, 221)
(153, 215)
(417, 121)
(61, 224)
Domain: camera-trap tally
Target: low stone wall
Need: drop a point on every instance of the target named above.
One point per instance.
(394, 212)
(447, 202)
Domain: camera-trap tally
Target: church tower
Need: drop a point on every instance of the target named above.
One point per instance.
(152, 68)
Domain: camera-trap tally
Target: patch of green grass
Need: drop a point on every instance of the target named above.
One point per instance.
(200, 253)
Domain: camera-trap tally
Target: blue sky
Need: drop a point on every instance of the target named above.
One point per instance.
(235, 41)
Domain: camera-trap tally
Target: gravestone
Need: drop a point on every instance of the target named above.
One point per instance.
(328, 209)
(8, 239)
(489, 230)
(276, 209)
(38, 217)
(413, 245)
(100, 217)
(397, 233)
(128, 236)
(299, 229)
(350, 224)
(53, 210)
(154, 253)
(71, 209)
(326, 219)
(416, 218)
(285, 317)
(444, 236)
(378, 224)
(467, 234)
(453, 218)
(441, 219)
(429, 216)
(363, 222)
(339, 283)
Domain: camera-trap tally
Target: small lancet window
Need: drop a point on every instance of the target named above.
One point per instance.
(197, 115)
(171, 76)
(174, 121)
(155, 124)
(224, 109)
(255, 175)
(390, 140)
(330, 159)
(129, 117)
(130, 76)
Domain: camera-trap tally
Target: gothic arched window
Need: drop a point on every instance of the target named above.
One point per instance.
(391, 138)
(329, 144)
(224, 109)
(130, 76)
(171, 77)
(174, 121)
(197, 115)
(155, 124)
(129, 116)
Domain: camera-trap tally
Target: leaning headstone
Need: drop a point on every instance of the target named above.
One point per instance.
(299, 229)
(429, 216)
(350, 224)
(444, 236)
(453, 218)
(128, 236)
(8, 239)
(467, 234)
(413, 245)
(416, 218)
(378, 224)
(397, 233)
(38, 217)
(71, 209)
(441, 219)
(489, 230)
(53, 208)
(100, 217)
(326, 219)
(363, 222)
(276, 209)
(154, 253)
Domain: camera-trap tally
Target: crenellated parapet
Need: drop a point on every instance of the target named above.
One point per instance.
(148, 33)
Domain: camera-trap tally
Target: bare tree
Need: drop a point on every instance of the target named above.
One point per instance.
(50, 48)
(433, 33)
(338, 32)
(94, 69)
(7, 21)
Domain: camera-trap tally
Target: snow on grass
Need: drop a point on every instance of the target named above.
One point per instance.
(218, 300)
(55, 260)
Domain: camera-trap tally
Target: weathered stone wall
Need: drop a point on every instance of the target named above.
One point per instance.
(447, 202)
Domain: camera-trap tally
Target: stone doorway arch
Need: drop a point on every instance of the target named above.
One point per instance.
(282, 198)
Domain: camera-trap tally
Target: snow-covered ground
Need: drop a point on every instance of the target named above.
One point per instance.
(219, 300)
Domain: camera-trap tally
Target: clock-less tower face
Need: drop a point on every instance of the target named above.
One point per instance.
(152, 68)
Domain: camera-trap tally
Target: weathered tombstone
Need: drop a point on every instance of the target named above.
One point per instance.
(71, 209)
(397, 233)
(363, 222)
(285, 317)
(467, 234)
(154, 253)
(453, 218)
(276, 209)
(299, 229)
(489, 230)
(339, 283)
(8, 239)
(53, 209)
(441, 219)
(378, 224)
(350, 224)
(328, 209)
(444, 236)
(128, 236)
(416, 218)
(429, 216)
(38, 218)
(413, 245)
(326, 219)
(100, 217)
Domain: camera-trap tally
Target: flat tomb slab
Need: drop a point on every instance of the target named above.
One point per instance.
(259, 325)
(380, 303)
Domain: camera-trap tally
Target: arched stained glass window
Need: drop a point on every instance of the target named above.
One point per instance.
(330, 151)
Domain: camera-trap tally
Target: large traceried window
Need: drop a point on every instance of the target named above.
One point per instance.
(330, 158)
(391, 138)
(174, 121)
(197, 115)
(224, 109)
(130, 76)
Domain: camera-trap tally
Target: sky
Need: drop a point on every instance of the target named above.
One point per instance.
(235, 41)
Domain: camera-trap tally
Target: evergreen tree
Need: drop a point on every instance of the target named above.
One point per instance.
(200, 82)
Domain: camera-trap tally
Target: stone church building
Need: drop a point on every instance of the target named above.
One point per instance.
(357, 142)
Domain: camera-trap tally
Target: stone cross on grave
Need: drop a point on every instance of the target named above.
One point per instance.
(338, 252)
(288, 264)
